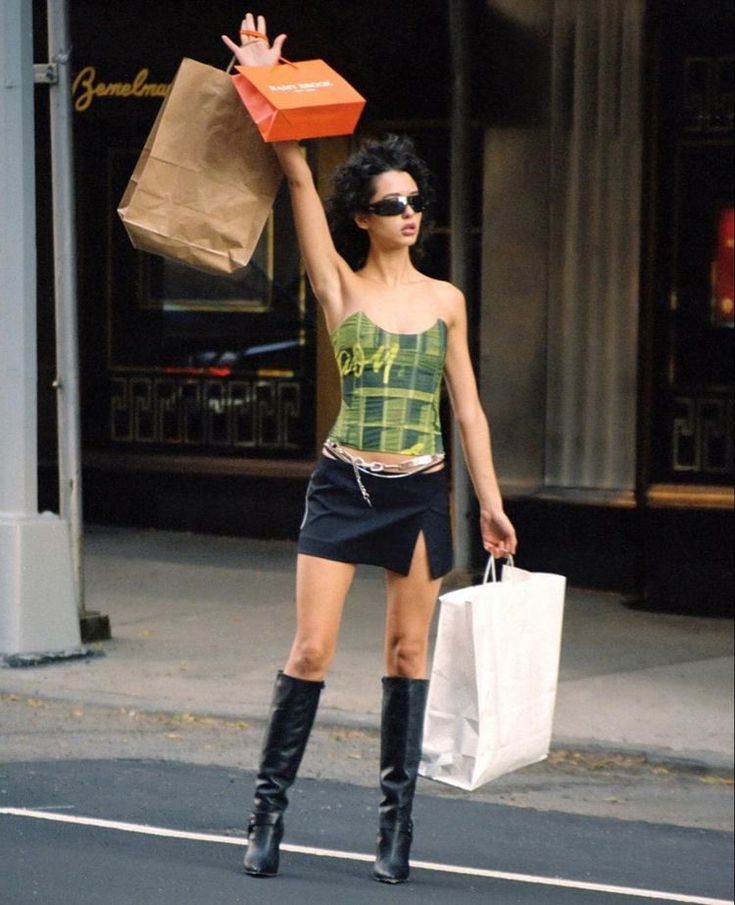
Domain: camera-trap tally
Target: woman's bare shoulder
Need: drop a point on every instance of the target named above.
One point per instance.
(446, 289)
(449, 299)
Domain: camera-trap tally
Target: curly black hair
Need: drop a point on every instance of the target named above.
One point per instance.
(352, 190)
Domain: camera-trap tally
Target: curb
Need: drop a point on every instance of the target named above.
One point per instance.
(694, 762)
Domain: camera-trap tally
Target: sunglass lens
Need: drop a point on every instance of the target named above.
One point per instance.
(391, 207)
(416, 203)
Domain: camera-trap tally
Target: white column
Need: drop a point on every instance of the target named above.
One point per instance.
(38, 611)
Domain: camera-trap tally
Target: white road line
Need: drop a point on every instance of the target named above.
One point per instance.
(167, 833)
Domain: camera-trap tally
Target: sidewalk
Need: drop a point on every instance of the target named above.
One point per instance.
(200, 625)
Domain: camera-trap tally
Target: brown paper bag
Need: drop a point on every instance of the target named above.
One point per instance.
(205, 182)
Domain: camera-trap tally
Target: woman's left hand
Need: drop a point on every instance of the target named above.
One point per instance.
(254, 48)
(498, 534)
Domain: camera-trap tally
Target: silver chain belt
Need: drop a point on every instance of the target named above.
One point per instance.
(413, 466)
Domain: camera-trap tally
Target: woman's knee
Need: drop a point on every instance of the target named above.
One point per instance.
(406, 657)
(309, 658)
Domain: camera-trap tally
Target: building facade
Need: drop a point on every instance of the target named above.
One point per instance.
(599, 261)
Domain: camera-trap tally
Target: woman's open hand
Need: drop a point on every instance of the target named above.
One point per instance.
(254, 48)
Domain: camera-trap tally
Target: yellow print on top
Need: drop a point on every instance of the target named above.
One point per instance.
(354, 361)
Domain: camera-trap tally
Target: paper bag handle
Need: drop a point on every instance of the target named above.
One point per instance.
(490, 568)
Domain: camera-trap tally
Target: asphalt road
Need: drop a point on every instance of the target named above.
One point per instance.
(141, 832)
(113, 806)
(596, 784)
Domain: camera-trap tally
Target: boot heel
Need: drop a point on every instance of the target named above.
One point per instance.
(393, 849)
(265, 832)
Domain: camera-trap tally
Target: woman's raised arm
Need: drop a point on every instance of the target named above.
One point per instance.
(324, 266)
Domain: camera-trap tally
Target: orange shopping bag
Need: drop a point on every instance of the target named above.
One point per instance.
(298, 100)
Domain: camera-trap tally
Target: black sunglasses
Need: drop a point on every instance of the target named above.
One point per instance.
(391, 207)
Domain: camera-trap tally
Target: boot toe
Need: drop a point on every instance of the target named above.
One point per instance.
(392, 879)
(264, 838)
(394, 847)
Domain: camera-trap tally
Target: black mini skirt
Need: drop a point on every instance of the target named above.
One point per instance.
(341, 525)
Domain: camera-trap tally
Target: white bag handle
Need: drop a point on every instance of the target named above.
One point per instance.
(490, 567)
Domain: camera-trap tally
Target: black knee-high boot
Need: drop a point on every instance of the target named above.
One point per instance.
(292, 715)
(402, 725)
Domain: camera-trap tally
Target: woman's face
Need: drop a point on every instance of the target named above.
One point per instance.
(401, 228)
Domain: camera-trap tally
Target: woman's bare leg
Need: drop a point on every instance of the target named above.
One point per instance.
(321, 589)
(411, 602)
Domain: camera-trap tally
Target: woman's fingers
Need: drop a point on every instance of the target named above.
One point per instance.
(498, 536)
(278, 46)
(249, 23)
(505, 545)
(231, 44)
(253, 50)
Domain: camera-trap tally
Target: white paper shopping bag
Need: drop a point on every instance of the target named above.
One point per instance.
(494, 677)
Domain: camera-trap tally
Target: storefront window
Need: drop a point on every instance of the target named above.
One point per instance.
(201, 363)
(693, 430)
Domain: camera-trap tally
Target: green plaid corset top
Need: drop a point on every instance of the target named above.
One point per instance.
(391, 385)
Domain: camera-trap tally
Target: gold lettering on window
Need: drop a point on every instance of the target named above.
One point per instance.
(86, 88)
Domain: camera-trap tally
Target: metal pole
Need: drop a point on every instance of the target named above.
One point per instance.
(38, 614)
(67, 343)
(459, 222)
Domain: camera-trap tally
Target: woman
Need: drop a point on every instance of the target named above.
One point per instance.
(378, 494)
